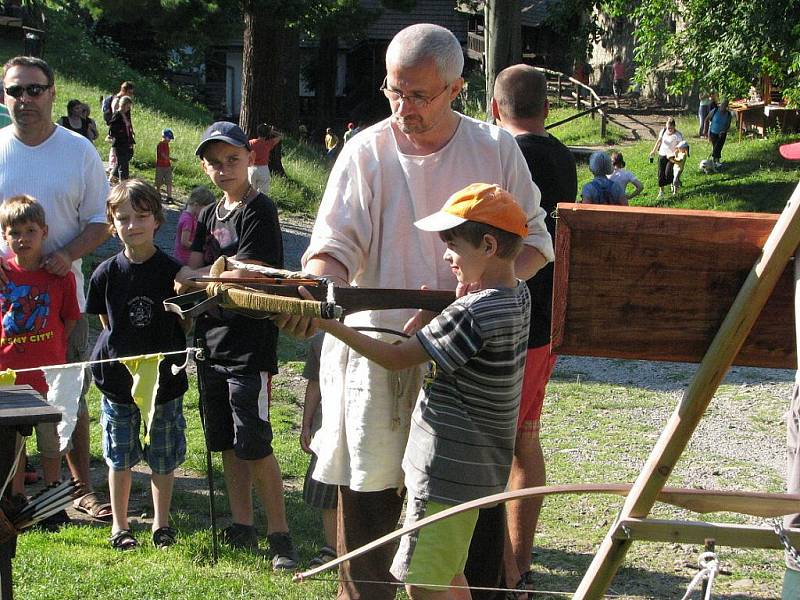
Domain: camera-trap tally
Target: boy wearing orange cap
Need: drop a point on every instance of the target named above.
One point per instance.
(463, 427)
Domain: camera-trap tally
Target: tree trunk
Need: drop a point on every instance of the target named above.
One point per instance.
(325, 84)
(502, 40)
(262, 70)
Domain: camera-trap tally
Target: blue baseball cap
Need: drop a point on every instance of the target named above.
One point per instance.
(223, 131)
(167, 133)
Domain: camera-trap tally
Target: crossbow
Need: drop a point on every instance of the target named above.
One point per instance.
(276, 291)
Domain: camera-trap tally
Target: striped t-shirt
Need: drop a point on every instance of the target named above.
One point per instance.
(463, 428)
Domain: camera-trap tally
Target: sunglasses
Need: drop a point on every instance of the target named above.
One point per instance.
(33, 90)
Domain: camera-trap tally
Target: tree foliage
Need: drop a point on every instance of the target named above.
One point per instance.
(724, 46)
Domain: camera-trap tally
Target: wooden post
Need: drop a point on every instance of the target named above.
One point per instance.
(578, 96)
(559, 88)
(603, 125)
(591, 100)
(779, 247)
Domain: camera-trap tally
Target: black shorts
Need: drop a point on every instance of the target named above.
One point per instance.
(237, 411)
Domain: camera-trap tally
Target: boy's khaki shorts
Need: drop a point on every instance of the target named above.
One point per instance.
(163, 176)
(47, 440)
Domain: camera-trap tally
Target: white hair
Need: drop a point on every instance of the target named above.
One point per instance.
(418, 43)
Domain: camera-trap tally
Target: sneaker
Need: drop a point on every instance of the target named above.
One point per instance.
(660, 195)
(325, 554)
(282, 547)
(240, 537)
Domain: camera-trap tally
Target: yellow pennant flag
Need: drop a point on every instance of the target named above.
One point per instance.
(8, 377)
(144, 371)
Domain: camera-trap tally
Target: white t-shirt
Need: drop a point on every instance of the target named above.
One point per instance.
(365, 221)
(669, 141)
(65, 175)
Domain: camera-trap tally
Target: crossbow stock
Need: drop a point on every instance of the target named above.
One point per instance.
(272, 291)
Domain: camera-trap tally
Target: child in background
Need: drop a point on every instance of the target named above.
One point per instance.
(331, 142)
(258, 173)
(623, 176)
(242, 352)
(164, 163)
(317, 494)
(478, 345)
(199, 198)
(678, 161)
(38, 312)
(127, 292)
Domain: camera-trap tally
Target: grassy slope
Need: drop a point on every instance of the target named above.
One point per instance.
(86, 72)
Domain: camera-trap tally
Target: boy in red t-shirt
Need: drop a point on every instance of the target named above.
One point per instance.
(37, 313)
(164, 163)
(258, 172)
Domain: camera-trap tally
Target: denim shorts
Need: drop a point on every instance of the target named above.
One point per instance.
(236, 407)
(122, 447)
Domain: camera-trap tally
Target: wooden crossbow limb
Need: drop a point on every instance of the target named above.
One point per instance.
(702, 501)
(276, 292)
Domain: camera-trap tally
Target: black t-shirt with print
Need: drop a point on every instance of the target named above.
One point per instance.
(132, 297)
(250, 233)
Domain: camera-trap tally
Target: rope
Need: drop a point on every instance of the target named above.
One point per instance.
(709, 567)
(197, 351)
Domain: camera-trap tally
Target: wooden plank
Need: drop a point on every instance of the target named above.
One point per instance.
(692, 532)
(22, 405)
(751, 299)
(656, 284)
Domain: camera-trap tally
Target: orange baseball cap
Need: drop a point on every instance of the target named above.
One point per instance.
(486, 203)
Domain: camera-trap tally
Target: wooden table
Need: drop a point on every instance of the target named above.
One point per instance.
(21, 407)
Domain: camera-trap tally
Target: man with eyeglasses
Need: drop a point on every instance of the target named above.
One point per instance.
(62, 170)
(386, 177)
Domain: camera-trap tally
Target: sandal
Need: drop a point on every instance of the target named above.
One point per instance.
(123, 540)
(325, 554)
(524, 587)
(89, 504)
(164, 537)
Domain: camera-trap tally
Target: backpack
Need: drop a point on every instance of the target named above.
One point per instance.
(604, 191)
(106, 108)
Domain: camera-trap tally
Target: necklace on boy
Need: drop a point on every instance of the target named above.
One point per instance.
(233, 208)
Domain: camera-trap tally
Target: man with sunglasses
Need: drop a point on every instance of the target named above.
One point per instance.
(62, 170)
(389, 175)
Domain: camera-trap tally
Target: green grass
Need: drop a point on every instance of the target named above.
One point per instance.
(593, 432)
(754, 177)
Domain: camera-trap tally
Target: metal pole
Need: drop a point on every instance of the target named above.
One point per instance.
(200, 361)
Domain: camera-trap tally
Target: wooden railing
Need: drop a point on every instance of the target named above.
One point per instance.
(577, 89)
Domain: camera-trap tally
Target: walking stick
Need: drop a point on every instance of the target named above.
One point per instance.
(199, 360)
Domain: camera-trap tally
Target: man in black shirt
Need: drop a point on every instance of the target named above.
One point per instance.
(520, 107)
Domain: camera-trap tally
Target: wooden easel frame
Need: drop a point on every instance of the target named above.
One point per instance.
(778, 250)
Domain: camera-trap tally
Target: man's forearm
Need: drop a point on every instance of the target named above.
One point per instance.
(87, 241)
(528, 263)
(325, 264)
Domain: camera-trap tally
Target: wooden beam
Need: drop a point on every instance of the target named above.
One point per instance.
(779, 248)
(692, 532)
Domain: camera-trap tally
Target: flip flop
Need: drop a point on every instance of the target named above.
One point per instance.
(89, 504)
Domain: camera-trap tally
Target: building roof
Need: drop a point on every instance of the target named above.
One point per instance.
(534, 12)
(439, 12)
